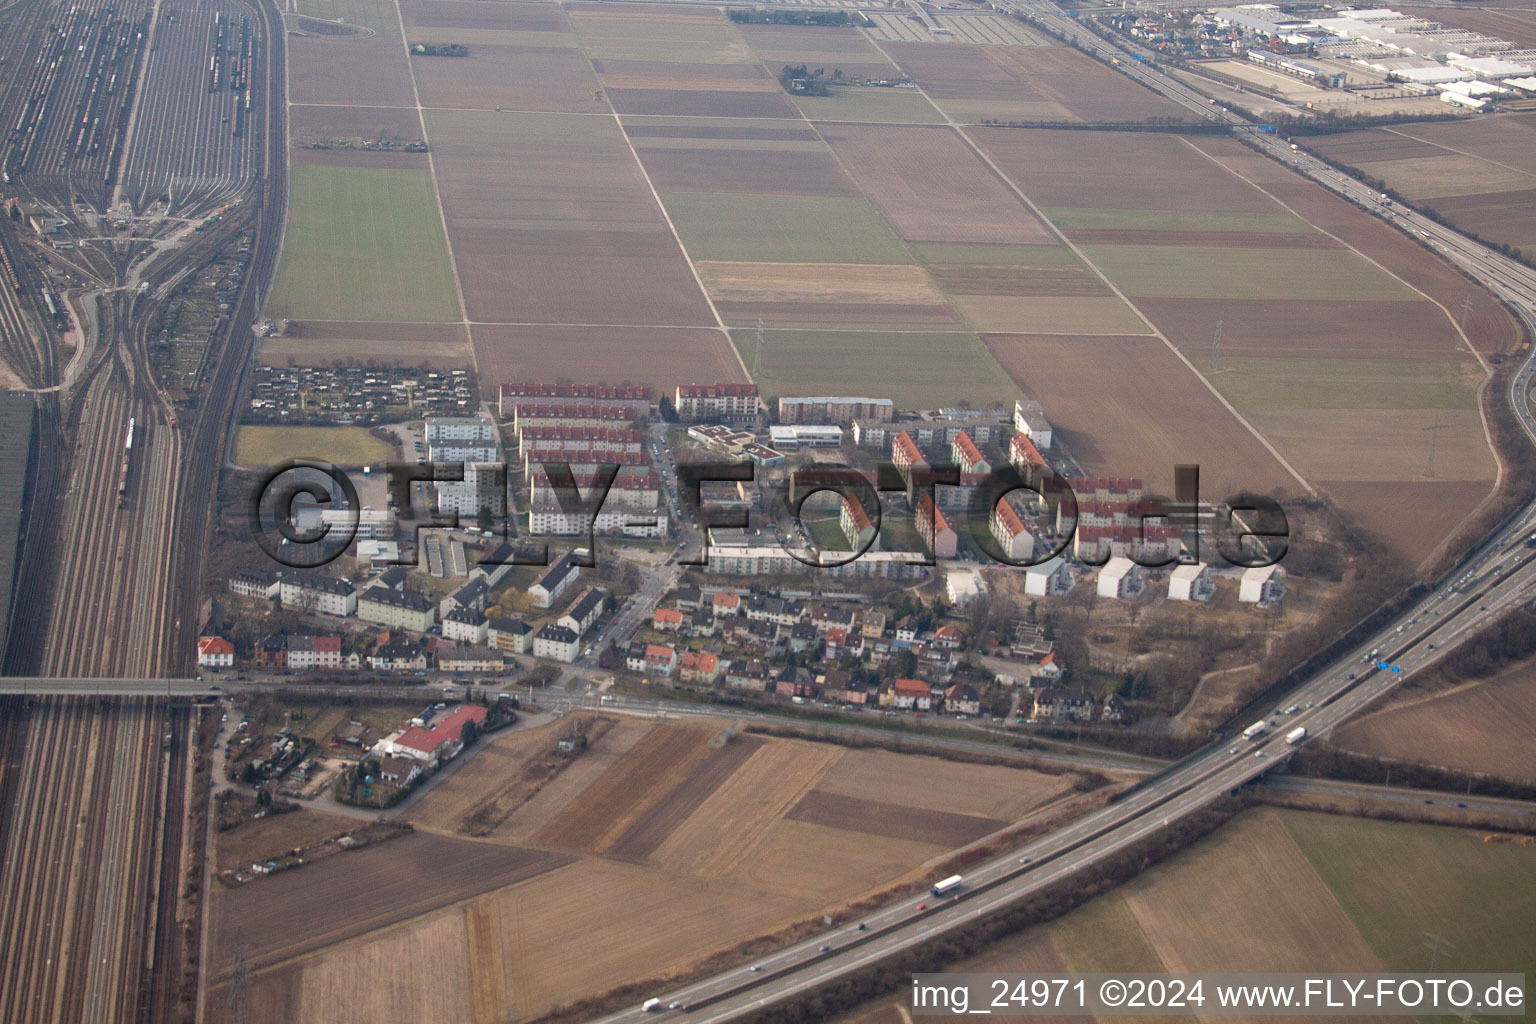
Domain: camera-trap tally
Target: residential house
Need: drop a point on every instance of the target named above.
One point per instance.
(466, 625)
(909, 695)
(795, 681)
(317, 592)
(1012, 536)
(1264, 584)
(660, 659)
(397, 609)
(938, 536)
(581, 613)
(472, 595)
(270, 652)
(469, 658)
(873, 626)
(215, 652)
(962, 699)
(1121, 579)
(1054, 703)
(1115, 710)
(949, 637)
(747, 674)
(699, 667)
(548, 588)
(257, 585)
(1051, 578)
(510, 636)
(434, 743)
(399, 657)
(1191, 583)
(399, 771)
(556, 642)
(307, 652)
(667, 620)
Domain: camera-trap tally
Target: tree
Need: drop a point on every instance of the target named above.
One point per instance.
(469, 733)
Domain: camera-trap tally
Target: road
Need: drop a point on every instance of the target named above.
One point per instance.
(1396, 795)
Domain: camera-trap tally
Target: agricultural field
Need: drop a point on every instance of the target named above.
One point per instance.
(825, 294)
(1483, 726)
(260, 446)
(668, 841)
(1480, 174)
(870, 104)
(974, 84)
(915, 369)
(363, 244)
(1148, 412)
(343, 343)
(574, 237)
(1288, 891)
(782, 229)
(1337, 346)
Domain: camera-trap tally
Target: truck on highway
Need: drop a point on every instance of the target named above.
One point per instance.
(651, 1005)
(1255, 730)
(948, 885)
(1296, 735)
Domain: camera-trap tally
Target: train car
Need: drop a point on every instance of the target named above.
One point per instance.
(122, 476)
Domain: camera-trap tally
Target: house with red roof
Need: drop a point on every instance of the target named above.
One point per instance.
(215, 652)
(434, 737)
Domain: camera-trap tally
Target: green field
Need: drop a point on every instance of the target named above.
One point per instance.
(1174, 220)
(932, 253)
(782, 229)
(919, 370)
(378, 15)
(260, 446)
(1216, 272)
(363, 243)
(1398, 881)
(1279, 383)
(870, 103)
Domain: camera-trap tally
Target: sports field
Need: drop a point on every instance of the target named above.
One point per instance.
(915, 369)
(363, 243)
(260, 446)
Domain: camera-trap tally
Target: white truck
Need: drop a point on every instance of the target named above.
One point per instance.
(1296, 735)
(651, 1005)
(1255, 730)
(948, 885)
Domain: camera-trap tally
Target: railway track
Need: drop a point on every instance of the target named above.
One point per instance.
(76, 857)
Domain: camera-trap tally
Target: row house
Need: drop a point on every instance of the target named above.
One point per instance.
(653, 658)
(510, 636)
(556, 642)
(398, 657)
(1149, 545)
(469, 658)
(907, 695)
(1057, 704)
(795, 681)
(828, 617)
(583, 463)
(632, 487)
(473, 596)
(856, 523)
(779, 611)
(256, 585)
(964, 453)
(397, 609)
(554, 521)
(633, 399)
(907, 458)
(1106, 488)
(595, 443)
(731, 403)
(580, 615)
(270, 652)
(314, 652)
(440, 429)
(1029, 420)
(466, 626)
(466, 451)
(483, 488)
(1012, 536)
(824, 409)
(1051, 578)
(317, 592)
(938, 536)
(724, 603)
(1024, 456)
(747, 674)
(546, 590)
(527, 415)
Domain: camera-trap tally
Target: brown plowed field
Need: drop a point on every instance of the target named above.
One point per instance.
(1229, 239)
(743, 132)
(987, 279)
(478, 14)
(704, 75)
(701, 103)
(614, 803)
(328, 122)
(1481, 727)
(1490, 327)
(893, 821)
(834, 293)
(276, 834)
(348, 71)
(653, 829)
(1370, 144)
(279, 917)
(934, 784)
(574, 237)
(359, 158)
(953, 73)
(932, 187)
(731, 823)
(1115, 171)
(826, 866)
(1305, 327)
(519, 77)
(655, 356)
(1127, 406)
(769, 172)
(341, 342)
(538, 812)
(1411, 516)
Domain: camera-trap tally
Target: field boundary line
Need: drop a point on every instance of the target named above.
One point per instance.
(1462, 152)
(1156, 332)
(1482, 388)
(634, 154)
(437, 192)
